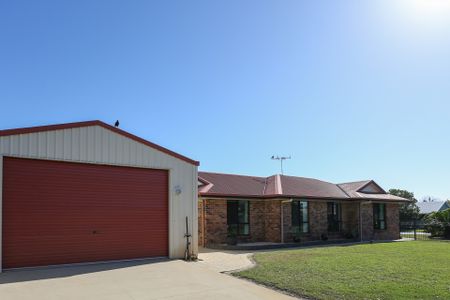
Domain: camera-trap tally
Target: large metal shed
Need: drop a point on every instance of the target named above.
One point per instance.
(88, 191)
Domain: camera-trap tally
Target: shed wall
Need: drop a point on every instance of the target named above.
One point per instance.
(98, 145)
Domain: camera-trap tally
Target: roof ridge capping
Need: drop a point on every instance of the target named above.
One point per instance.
(230, 174)
(26, 130)
(279, 185)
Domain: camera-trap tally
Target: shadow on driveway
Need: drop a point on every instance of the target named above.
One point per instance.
(60, 271)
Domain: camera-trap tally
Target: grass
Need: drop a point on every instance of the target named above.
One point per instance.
(401, 270)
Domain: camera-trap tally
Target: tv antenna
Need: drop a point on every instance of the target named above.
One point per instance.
(281, 160)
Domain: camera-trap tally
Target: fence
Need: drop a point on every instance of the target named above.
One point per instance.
(414, 229)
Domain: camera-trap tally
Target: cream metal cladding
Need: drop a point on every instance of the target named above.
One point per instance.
(98, 145)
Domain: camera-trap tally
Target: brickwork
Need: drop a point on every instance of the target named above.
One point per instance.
(216, 228)
(272, 221)
(265, 222)
(318, 222)
(200, 223)
(287, 223)
(392, 231)
(257, 230)
(350, 219)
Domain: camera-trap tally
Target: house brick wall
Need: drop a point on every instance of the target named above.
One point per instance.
(200, 223)
(257, 215)
(265, 222)
(350, 219)
(272, 221)
(287, 223)
(318, 221)
(215, 220)
(392, 231)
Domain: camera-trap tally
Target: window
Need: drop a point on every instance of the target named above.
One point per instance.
(334, 216)
(300, 216)
(379, 216)
(238, 217)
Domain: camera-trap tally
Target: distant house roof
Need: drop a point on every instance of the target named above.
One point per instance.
(429, 207)
(282, 186)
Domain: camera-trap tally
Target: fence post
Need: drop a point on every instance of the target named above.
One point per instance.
(415, 229)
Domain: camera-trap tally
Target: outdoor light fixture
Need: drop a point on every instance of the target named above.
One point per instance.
(177, 190)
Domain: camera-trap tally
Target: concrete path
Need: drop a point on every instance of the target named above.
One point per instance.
(164, 279)
(225, 261)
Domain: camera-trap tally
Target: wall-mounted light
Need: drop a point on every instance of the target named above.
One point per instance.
(177, 190)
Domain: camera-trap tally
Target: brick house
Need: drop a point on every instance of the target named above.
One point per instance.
(286, 209)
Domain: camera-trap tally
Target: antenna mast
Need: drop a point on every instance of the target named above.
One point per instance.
(281, 160)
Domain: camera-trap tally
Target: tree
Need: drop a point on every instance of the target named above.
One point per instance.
(407, 210)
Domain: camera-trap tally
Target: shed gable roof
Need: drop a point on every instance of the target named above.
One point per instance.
(26, 130)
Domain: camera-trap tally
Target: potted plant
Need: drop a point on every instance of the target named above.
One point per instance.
(297, 236)
(232, 235)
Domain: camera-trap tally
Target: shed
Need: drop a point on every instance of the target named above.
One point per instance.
(88, 191)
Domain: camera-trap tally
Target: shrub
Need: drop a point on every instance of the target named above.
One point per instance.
(438, 223)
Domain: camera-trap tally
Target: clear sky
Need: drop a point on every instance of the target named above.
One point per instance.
(351, 90)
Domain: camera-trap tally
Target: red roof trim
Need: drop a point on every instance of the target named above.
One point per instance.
(26, 130)
(101, 124)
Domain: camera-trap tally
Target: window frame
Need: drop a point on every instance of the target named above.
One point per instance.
(300, 223)
(336, 211)
(377, 220)
(239, 225)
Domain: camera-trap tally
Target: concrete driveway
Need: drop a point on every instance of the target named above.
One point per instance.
(151, 279)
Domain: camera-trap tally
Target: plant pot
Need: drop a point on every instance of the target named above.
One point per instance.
(232, 241)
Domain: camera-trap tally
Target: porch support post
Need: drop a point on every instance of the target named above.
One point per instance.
(360, 223)
(281, 222)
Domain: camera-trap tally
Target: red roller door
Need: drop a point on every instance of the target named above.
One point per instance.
(59, 212)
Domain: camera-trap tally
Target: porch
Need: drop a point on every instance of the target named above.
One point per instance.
(272, 246)
(276, 222)
(284, 221)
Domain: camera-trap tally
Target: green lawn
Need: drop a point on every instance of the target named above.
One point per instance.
(400, 270)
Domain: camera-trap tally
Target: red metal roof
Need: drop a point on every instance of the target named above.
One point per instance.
(355, 190)
(96, 123)
(232, 184)
(310, 187)
(282, 186)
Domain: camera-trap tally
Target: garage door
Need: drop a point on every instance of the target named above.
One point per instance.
(59, 212)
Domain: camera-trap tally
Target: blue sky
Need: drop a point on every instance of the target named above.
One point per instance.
(350, 89)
